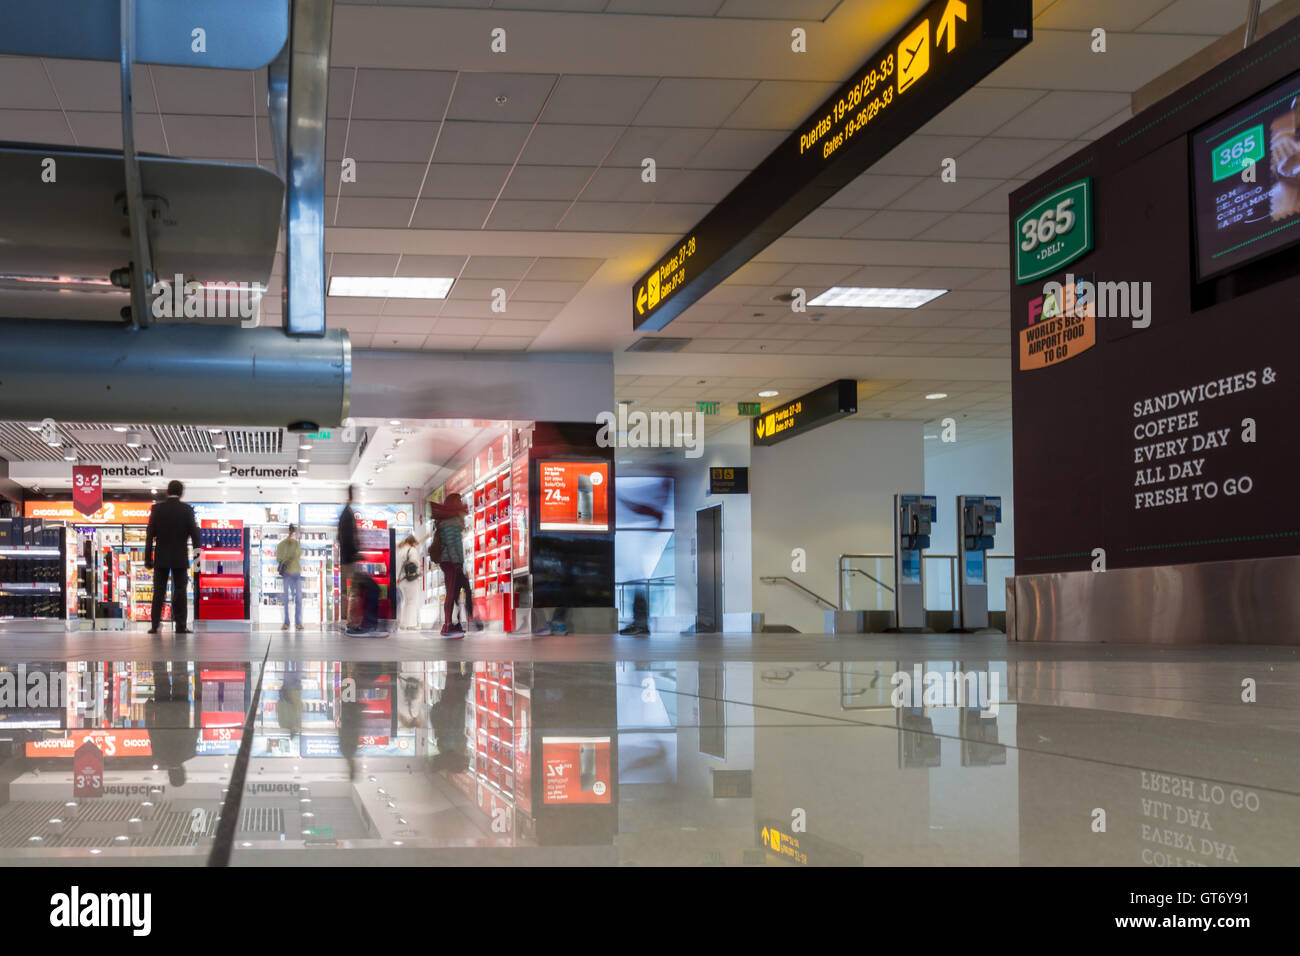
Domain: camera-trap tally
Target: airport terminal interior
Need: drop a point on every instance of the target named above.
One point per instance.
(680, 433)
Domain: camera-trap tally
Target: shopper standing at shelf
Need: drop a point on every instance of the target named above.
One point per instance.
(289, 554)
(171, 525)
(410, 580)
(448, 550)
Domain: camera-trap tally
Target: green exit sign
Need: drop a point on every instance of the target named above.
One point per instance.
(320, 436)
(750, 408)
(707, 408)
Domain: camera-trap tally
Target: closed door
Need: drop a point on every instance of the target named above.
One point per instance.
(708, 578)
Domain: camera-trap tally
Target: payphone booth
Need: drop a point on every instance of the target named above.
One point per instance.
(913, 515)
(977, 522)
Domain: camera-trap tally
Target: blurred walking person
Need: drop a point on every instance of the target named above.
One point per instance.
(347, 536)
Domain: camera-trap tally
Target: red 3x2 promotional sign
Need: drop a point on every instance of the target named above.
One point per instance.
(87, 488)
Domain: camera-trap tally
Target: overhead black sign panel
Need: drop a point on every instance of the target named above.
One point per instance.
(942, 52)
(820, 407)
(728, 481)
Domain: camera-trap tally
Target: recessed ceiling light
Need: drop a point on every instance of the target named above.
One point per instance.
(370, 481)
(303, 461)
(933, 395)
(119, 428)
(398, 442)
(304, 446)
(33, 428)
(223, 459)
(857, 297)
(133, 440)
(391, 287)
(70, 457)
(388, 456)
(214, 431)
(394, 421)
(768, 393)
(146, 457)
(153, 491)
(218, 445)
(54, 444)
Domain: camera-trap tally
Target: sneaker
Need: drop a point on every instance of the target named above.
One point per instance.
(559, 627)
(285, 627)
(298, 628)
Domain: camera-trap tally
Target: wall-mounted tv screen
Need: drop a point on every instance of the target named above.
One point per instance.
(644, 502)
(1246, 171)
(574, 495)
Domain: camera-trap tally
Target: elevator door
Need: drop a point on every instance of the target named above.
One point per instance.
(708, 577)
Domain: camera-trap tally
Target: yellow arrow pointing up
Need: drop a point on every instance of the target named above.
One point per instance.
(764, 836)
(956, 10)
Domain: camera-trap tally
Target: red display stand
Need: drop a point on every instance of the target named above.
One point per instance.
(223, 571)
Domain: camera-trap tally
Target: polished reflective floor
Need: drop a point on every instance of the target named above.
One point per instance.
(743, 750)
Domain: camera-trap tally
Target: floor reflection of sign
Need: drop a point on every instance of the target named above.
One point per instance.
(88, 771)
(576, 770)
(804, 849)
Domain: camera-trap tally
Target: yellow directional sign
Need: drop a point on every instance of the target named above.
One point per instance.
(914, 56)
(956, 10)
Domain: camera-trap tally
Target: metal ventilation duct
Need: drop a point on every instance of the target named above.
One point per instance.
(172, 374)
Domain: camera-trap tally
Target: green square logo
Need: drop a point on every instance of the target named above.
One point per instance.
(1054, 232)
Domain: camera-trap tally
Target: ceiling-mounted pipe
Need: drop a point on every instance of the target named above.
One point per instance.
(1252, 22)
(172, 374)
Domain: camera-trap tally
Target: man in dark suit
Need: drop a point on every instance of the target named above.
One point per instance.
(171, 524)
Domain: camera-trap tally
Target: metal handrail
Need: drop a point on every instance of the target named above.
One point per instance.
(793, 583)
(952, 570)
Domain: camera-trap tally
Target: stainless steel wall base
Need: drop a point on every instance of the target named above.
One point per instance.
(1254, 601)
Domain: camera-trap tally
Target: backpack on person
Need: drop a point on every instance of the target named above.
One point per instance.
(435, 546)
(410, 570)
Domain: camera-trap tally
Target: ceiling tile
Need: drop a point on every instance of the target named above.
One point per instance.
(23, 85)
(486, 143)
(401, 94)
(979, 111)
(737, 149)
(963, 227)
(871, 191)
(667, 147)
(563, 269)
(450, 213)
(605, 100)
(682, 101)
(779, 105)
(194, 90)
(477, 94)
(526, 215)
(934, 194)
(892, 224)
(546, 182)
(463, 180)
(567, 145)
(1000, 157)
(1065, 114)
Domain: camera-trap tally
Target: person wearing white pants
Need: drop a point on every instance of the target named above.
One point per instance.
(410, 590)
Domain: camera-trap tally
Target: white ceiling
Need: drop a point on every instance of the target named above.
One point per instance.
(542, 195)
